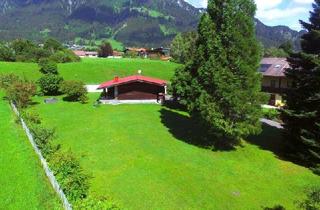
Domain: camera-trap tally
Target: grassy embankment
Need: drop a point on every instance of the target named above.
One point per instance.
(95, 71)
(22, 179)
(148, 157)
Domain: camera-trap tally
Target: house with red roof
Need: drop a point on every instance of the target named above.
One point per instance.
(133, 89)
(82, 53)
(274, 79)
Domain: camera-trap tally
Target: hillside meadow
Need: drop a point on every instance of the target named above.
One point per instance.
(22, 179)
(95, 71)
(149, 157)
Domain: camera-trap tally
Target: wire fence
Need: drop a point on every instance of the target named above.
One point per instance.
(44, 163)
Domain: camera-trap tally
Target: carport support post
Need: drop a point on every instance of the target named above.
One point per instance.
(116, 92)
(105, 93)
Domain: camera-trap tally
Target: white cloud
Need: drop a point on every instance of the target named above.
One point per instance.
(198, 3)
(304, 1)
(276, 12)
(267, 4)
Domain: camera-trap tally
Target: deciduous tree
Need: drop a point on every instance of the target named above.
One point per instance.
(105, 50)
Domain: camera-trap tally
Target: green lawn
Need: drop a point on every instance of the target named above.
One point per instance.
(95, 71)
(139, 156)
(22, 179)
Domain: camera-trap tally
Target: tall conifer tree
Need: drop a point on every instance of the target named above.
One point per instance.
(221, 86)
(302, 114)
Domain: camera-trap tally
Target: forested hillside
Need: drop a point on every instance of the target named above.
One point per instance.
(132, 22)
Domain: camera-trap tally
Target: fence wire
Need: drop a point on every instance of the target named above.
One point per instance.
(49, 173)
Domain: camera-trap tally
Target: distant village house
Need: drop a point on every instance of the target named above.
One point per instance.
(83, 54)
(161, 53)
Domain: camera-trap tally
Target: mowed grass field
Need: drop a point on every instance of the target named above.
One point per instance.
(96, 71)
(139, 155)
(22, 179)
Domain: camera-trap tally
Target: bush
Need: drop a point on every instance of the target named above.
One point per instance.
(21, 92)
(64, 56)
(271, 114)
(31, 117)
(130, 54)
(50, 84)
(73, 181)
(75, 91)
(6, 53)
(316, 169)
(43, 138)
(48, 66)
(313, 200)
(8, 79)
(91, 203)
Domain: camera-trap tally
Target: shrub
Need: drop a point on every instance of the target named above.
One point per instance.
(31, 117)
(271, 114)
(313, 200)
(91, 203)
(50, 84)
(52, 45)
(6, 53)
(75, 91)
(21, 92)
(316, 169)
(64, 56)
(48, 66)
(24, 58)
(74, 182)
(8, 79)
(130, 54)
(43, 138)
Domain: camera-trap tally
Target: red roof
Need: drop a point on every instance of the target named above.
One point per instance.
(85, 53)
(79, 53)
(136, 78)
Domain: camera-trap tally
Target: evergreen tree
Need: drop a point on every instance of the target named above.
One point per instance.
(302, 114)
(221, 86)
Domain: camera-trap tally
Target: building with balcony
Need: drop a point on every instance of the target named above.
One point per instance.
(274, 80)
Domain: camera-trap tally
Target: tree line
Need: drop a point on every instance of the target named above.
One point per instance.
(21, 50)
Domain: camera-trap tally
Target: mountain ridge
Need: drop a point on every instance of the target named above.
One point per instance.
(132, 22)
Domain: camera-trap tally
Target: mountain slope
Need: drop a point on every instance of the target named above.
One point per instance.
(276, 35)
(132, 22)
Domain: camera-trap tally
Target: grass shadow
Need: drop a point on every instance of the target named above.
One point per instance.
(34, 103)
(185, 129)
(272, 139)
(175, 105)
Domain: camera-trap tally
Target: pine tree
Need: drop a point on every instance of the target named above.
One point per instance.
(221, 86)
(302, 114)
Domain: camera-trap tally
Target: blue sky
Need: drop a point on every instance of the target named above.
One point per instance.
(276, 12)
